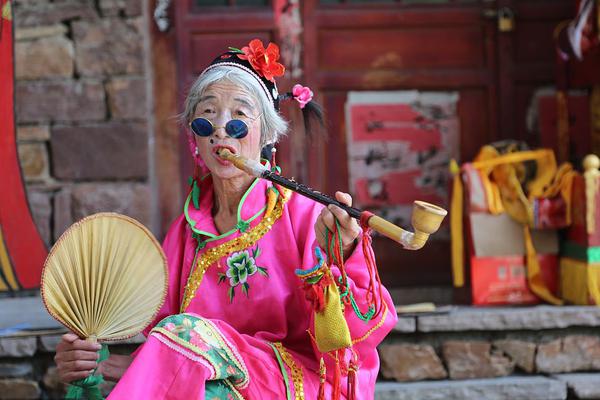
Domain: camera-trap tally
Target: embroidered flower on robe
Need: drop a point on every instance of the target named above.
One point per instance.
(170, 326)
(241, 265)
(197, 340)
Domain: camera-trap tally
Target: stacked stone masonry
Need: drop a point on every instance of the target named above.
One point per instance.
(497, 347)
(27, 369)
(505, 361)
(81, 109)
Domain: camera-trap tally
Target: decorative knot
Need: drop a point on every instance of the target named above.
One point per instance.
(243, 226)
(201, 243)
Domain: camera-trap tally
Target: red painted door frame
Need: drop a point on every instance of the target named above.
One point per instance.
(22, 251)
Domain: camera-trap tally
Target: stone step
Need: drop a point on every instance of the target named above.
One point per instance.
(558, 386)
(24, 313)
(461, 319)
(506, 388)
(582, 386)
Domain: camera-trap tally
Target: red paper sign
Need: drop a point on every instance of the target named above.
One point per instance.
(399, 147)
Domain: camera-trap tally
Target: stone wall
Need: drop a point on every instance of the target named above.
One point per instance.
(481, 357)
(27, 369)
(475, 343)
(82, 111)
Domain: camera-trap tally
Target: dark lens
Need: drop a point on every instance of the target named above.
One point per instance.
(236, 128)
(202, 127)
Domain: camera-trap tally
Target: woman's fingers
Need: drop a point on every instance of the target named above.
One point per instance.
(69, 337)
(82, 345)
(328, 219)
(79, 366)
(75, 358)
(74, 355)
(344, 198)
(73, 376)
(345, 220)
(321, 232)
(66, 342)
(72, 342)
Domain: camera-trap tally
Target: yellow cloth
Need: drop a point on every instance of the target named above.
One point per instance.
(501, 176)
(579, 281)
(456, 227)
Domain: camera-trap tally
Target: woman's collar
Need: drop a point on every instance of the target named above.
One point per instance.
(250, 209)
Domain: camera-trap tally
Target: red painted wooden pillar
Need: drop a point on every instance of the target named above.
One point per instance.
(22, 251)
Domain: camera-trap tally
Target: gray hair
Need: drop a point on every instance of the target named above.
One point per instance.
(273, 126)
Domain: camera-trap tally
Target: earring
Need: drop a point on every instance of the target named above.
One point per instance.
(196, 152)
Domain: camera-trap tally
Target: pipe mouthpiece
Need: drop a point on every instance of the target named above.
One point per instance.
(225, 153)
(251, 167)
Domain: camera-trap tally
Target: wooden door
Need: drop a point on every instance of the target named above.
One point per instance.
(368, 46)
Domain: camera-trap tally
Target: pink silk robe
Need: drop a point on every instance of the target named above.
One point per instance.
(273, 308)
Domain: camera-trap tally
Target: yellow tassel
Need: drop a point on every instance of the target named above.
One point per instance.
(456, 227)
(591, 175)
(322, 379)
(534, 273)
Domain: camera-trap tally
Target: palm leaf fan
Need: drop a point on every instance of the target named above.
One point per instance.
(105, 278)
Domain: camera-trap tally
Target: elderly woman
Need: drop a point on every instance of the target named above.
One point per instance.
(238, 321)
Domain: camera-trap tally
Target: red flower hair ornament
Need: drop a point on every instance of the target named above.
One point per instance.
(264, 61)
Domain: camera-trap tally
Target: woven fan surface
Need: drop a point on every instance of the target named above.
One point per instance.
(105, 278)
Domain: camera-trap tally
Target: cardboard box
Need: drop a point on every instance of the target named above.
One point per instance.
(503, 280)
(500, 235)
(498, 263)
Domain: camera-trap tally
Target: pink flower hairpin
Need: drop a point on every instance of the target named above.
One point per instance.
(302, 94)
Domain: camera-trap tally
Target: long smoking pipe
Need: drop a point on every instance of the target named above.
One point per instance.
(426, 217)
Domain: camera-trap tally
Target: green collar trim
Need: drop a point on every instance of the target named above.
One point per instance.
(242, 225)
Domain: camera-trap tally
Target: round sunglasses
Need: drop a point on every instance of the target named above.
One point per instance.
(236, 128)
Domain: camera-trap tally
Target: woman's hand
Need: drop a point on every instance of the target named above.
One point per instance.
(75, 358)
(349, 228)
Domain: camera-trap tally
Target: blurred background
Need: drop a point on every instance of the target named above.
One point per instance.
(407, 86)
